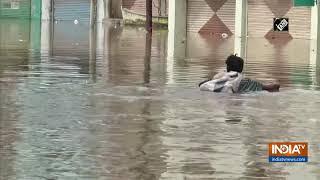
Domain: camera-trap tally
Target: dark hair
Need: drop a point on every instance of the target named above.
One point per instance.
(234, 63)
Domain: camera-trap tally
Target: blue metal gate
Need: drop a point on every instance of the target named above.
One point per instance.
(70, 10)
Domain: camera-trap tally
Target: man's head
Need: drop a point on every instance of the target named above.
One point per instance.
(234, 63)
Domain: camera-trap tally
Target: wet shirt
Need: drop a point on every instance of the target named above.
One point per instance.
(223, 82)
(248, 85)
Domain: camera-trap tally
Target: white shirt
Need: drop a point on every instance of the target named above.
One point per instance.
(223, 82)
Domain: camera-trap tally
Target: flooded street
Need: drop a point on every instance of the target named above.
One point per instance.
(108, 103)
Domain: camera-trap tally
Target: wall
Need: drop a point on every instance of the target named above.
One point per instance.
(139, 6)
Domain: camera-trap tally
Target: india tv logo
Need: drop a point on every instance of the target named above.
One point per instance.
(288, 152)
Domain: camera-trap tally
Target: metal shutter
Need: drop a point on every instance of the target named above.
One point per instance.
(260, 18)
(199, 14)
(300, 22)
(15, 9)
(70, 10)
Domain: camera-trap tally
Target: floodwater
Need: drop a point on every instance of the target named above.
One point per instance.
(107, 103)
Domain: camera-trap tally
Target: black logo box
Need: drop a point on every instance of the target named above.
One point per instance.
(281, 24)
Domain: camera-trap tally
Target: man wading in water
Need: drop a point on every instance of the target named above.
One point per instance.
(233, 81)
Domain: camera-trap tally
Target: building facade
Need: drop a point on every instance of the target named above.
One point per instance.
(15, 8)
(218, 16)
(59, 9)
(212, 17)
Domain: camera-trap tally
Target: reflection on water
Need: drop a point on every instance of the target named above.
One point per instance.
(107, 103)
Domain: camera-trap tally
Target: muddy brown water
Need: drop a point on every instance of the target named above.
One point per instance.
(107, 103)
